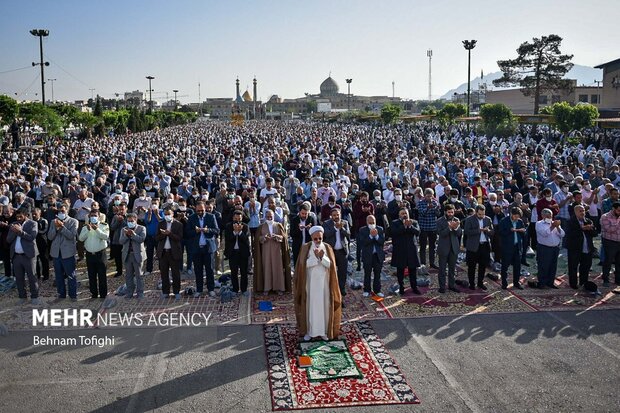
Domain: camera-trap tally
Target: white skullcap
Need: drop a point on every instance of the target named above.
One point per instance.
(316, 228)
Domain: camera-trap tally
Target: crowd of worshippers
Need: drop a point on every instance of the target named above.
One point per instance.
(191, 197)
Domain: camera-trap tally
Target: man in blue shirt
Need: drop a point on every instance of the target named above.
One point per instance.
(428, 209)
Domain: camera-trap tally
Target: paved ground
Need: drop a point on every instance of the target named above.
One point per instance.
(538, 362)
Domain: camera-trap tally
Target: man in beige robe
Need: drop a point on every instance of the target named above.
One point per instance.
(272, 271)
(318, 303)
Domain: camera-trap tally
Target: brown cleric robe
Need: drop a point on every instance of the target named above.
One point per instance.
(284, 258)
(335, 314)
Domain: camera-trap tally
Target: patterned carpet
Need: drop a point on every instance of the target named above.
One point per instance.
(382, 381)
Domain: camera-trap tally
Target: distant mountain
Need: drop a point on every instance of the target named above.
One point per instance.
(585, 75)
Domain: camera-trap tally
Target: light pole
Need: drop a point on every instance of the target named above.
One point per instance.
(41, 33)
(468, 44)
(92, 94)
(175, 98)
(349, 93)
(429, 54)
(150, 93)
(52, 80)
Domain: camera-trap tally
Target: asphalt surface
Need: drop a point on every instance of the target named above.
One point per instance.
(535, 362)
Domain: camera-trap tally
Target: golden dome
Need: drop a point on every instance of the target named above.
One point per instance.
(246, 96)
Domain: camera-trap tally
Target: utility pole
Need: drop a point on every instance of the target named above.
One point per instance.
(175, 98)
(199, 101)
(393, 92)
(52, 80)
(92, 94)
(150, 78)
(41, 33)
(469, 45)
(348, 93)
(429, 53)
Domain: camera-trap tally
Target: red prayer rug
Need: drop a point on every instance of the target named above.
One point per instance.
(382, 381)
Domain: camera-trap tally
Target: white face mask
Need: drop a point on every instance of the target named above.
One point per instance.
(453, 199)
(493, 203)
(548, 220)
(168, 218)
(269, 220)
(131, 224)
(398, 198)
(372, 226)
(565, 189)
(548, 198)
(377, 198)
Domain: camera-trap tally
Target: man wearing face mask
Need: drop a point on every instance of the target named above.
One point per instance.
(300, 225)
(152, 217)
(133, 254)
(117, 221)
(549, 234)
(141, 205)
(511, 230)
(82, 207)
(22, 238)
(580, 247)
(170, 253)
(563, 198)
(238, 251)
(6, 219)
(547, 202)
(404, 232)
(338, 236)
(479, 231)
(317, 295)
(62, 233)
(448, 247)
(95, 236)
(200, 234)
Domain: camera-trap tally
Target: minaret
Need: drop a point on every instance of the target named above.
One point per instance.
(238, 95)
(254, 97)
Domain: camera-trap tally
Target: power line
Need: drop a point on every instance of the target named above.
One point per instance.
(15, 70)
(29, 86)
(61, 68)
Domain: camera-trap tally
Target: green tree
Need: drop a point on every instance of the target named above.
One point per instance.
(563, 115)
(429, 110)
(584, 115)
(8, 110)
(539, 66)
(98, 111)
(497, 120)
(451, 111)
(389, 113)
(35, 113)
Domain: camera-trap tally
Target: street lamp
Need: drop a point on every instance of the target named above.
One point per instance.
(41, 33)
(468, 44)
(52, 80)
(349, 93)
(175, 98)
(150, 92)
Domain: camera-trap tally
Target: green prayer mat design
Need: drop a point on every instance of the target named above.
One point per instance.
(330, 360)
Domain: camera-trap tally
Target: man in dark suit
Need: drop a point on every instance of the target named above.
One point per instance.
(449, 231)
(511, 232)
(372, 238)
(404, 232)
(478, 229)
(200, 234)
(300, 224)
(170, 253)
(579, 247)
(237, 250)
(338, 236)
(22, 238)
(133, 254)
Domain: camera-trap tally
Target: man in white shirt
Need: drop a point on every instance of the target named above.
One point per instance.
(549, 234)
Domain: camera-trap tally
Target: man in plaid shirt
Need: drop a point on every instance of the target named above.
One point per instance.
(610, 233)
(428, 208)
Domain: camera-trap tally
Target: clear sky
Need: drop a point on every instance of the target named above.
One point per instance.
(291, 46)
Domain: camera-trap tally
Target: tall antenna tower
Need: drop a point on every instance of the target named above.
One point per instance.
(199, 101)
(429, 53)
(393, 94)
